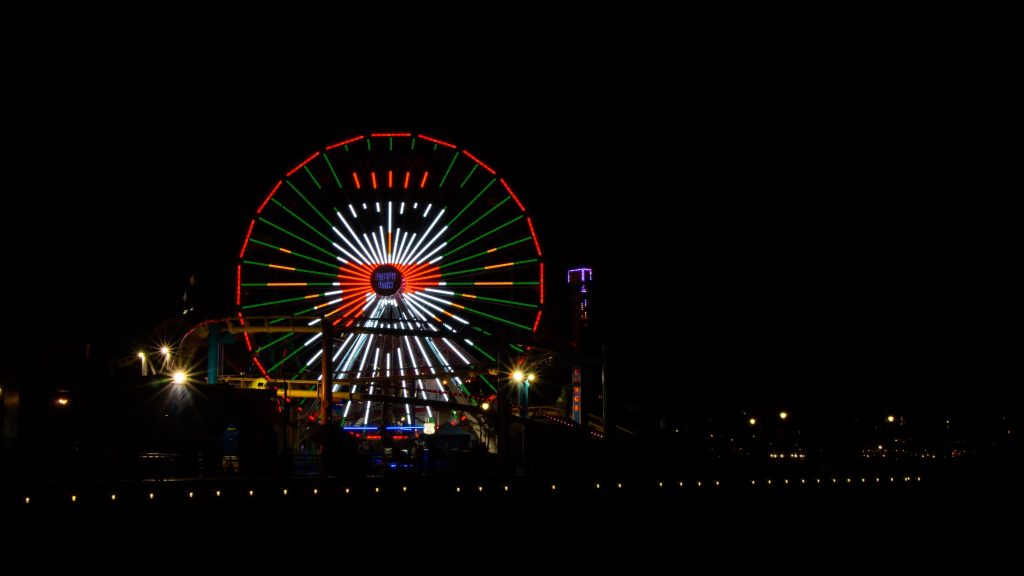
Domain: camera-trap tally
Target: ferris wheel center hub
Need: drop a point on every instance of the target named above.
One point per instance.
(386, 280)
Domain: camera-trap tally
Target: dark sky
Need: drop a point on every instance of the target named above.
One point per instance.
(769, 228)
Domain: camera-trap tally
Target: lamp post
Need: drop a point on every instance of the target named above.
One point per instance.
(523, 380)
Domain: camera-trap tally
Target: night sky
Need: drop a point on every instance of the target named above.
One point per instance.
(767, 230)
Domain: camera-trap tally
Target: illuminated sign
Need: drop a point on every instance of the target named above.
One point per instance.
(577, 392)
(386, 280)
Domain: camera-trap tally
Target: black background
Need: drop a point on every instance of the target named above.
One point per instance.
(780, 223)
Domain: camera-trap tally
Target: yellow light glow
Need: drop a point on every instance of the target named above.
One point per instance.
(113, 497)
(485, 406)
(753, 421)
(783, 415)
(62, 401)
(517, 376)
(179, 377)
(890, 418)
(166, 351)
(141, 355)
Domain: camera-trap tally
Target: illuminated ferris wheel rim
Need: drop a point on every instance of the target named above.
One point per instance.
(392, 270)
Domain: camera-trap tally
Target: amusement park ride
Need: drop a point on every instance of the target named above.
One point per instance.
(389, 281)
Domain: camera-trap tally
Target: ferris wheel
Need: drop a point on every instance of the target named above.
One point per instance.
(419, 255)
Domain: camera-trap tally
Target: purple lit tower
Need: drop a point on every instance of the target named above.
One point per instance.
(580, 293)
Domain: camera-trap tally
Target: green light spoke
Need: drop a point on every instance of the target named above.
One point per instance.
(479, 218)
(468, 176)
(483, 268)
(313, 178)
(412, 145)
(487, 284)
(288, 268)
(275, 285)
(484, 235)
(286, 358)
(498, 318)
(497, 300)
(296, 254)
(391, 143)
(517, 348)
(297, 237)
(466, 207)
(478, 254)
(272, 302)
(310, 204)
(274, 341)
(489, 357)
(481, 330)
(445, 177)
(488, 382)
(333, 173)
(368, 144)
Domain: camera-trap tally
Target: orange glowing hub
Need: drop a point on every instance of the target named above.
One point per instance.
(358, 280)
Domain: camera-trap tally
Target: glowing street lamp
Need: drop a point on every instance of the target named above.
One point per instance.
(890, 419)
(524, 390)
(783, 415)
(142, 359)
(179, 377)
(753, 421)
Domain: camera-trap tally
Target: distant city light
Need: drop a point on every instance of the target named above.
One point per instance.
(179, 377)
(783, 415)
(517, 375)
(63, 401)
(753, 421)
(166, 351)
(485, 406)
(890, 418)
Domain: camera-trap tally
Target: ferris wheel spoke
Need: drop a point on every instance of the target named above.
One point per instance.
(479, 218)
(293, 253)
(296, 236)
(300, 219)
(465, 271)
(490, 232)
(484, 253)
(288, 268)
(483, 298)
(306, 200)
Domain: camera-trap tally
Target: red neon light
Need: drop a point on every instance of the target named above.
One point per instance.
(529, 222)
(395, 135)
(537, 322)
(373, 176)
(271, 195)
(349, 141)
(513, 194)
(406, 179)
(247, 234)
(356, 178)
(477, 160)
(436, 141)
(541, 282)
(423, 182)
(238, 287)
(304, 162)
(390, 180)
